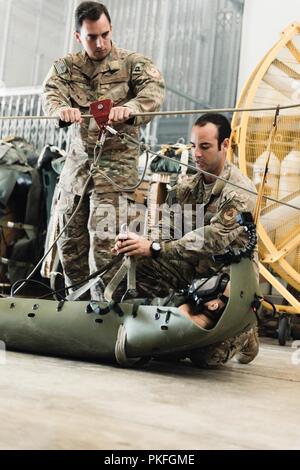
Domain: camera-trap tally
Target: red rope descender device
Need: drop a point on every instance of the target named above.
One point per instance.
(100, 111)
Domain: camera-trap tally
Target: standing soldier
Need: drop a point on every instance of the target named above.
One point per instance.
(134, 84)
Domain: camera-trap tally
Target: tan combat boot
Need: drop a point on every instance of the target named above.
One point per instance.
(250, 349)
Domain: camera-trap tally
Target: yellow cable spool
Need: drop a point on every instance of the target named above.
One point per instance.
(274, 82)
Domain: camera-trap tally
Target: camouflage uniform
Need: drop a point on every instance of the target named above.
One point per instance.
(130, 80)
(180, 261)
(184, 259)
(220, 229)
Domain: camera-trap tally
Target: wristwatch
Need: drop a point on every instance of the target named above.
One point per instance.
(155, 249)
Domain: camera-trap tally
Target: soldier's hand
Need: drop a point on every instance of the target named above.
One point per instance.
(70, 115)
(119, 114)
(134, 245)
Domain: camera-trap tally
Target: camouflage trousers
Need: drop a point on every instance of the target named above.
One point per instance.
(85, 246)
(216, 355)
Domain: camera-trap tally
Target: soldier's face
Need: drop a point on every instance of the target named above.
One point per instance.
(95, 37)
(206, 152)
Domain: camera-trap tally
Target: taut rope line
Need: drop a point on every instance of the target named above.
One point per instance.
(163, 113)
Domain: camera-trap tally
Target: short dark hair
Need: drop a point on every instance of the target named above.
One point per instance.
(89, 11)
(222, 123)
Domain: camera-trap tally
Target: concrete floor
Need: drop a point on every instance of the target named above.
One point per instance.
(49, 403)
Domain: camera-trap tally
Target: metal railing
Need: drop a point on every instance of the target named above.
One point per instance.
(27, 102)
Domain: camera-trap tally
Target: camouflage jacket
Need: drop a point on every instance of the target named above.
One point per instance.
(219, 228)
(130, 80)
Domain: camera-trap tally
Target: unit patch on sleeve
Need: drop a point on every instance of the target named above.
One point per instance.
(60, 66)
(139, 67)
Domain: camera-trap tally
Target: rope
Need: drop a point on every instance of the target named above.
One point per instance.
(196, 170)
(164, 113)
(96, 169)
(84, 190)
(57, 238)
(266, 168)
(97, 157)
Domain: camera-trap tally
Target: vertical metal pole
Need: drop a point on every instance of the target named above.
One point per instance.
(69, 44)
(164, 12)
(140, 19)
(5, 38)
(37, 56)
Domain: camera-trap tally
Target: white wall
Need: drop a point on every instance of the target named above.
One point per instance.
(32, 34)
(263, 22)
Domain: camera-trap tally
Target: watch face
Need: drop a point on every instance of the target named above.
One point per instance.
(155, 246)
